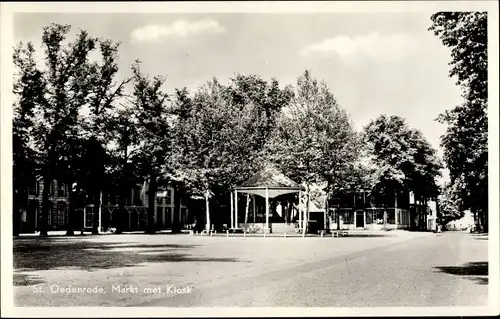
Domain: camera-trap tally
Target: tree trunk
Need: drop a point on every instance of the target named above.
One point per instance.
(385, 218)
(425, 215)
(289, 212)
(246, 208)
(306, 216)
(16, 212)
(325, 214)
(96, 151)
(254, 209)
(338, 220)
(272, 209)
(485, 221)
(176, 225)
(207, 211)
(97, 204)
(121, 215)
(70, 228)
(44, 218)
(150, 228)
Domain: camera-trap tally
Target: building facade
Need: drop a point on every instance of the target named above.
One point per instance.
(363, 210)
(136, 205)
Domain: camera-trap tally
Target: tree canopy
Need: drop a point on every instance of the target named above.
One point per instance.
(465, 142)
(314, 141)
(403, 157)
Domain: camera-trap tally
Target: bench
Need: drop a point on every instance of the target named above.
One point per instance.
(338, 233)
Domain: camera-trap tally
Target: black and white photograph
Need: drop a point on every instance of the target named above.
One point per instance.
(327, 156)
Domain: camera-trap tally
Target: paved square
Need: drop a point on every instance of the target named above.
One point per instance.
(184, 270)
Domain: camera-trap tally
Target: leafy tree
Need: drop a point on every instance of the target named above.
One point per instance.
(121, 170)
(243, 114)
(213, 139)
(313, 138)
(29, 87)
(465, 142)
(266, 101)
(449, 205)
(205, 155)
(153, 152)
(182, 111)
(69, 85)
(405, 161)
(97, 126)
(59, 92)
(72, 170)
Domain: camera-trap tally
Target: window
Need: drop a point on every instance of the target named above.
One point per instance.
(128, 197)
(378, 216)
(89, 217)
(369, 199)
(369, 216)
(347, 216)
(159, 217)
(391, 216)
(60, 214)
(61, 189)
(51, 214)
(168, 197)
(159, 199)
(168, 217)
(105, 199)
(137, 196)
(33, 211)
(360, 198)
(34, 188)
(184, 216)
(112, 199)
(51, 188)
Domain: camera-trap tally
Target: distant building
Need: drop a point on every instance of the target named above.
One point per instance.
(136, 205)
(362, 209)
(58, 206)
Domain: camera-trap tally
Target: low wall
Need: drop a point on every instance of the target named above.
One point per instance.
(261, 227)
(369, 226)
(280, 228)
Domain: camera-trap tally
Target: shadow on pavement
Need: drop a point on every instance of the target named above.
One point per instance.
(477, 271)
(26, 280)
(55, 253)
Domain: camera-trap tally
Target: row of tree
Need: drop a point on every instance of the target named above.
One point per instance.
(76, 122)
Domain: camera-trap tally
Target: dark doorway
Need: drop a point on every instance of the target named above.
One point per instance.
(360, 219)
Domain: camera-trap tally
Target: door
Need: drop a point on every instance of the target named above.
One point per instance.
(88, 217)
(360, 219)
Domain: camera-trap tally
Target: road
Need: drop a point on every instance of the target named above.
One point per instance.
(448, 269)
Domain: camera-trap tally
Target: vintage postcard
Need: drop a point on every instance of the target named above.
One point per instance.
(249, 158)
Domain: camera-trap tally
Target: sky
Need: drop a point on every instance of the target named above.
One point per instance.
(374, 63)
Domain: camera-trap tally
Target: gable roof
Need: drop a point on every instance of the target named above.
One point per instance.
(270, 177)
